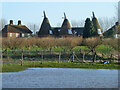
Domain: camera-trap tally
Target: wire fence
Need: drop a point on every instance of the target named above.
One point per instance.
(43, 55)
(14, 56)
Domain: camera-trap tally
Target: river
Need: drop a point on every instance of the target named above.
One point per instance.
(61, 78)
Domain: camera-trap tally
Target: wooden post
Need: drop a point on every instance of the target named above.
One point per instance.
(83, 57)
(59, 57)
(111, 58)
(22, 59)
(94, 57)
(1, 59)
(64, 50)
(50, 51)
(80, 51)
(73, 56)
(42, 59)
(7, 55)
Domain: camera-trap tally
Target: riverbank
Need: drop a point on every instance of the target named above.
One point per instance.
(15, 67)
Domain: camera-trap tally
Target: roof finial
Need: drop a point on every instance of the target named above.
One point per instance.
(93, 15)
(65, 15)
(44, 14)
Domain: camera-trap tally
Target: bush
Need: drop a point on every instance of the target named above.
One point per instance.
(45, 43)
(81, 48)
(104, 49)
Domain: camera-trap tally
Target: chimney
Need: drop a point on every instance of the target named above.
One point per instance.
(11, 22)
(19, 22)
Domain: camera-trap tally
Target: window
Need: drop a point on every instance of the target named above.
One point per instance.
(17, 34)
(99, 31)
(10, 34)
(75, 32)
(22, 35)
(50, 32)
(69, 31)
(28, 34)
(115, 36)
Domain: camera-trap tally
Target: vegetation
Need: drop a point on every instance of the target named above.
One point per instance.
(74, 44)
(110, 33)
(59, 50)
(15, 67)
(92, 43)
(89, 30)
(45, 43)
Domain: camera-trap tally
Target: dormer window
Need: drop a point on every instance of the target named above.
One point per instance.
(99, 31)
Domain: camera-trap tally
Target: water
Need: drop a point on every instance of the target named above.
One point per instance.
(61, 78)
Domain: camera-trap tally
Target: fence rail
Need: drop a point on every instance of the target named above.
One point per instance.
(46, 55)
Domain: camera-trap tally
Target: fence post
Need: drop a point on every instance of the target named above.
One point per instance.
(59, 57)
(73, 56)
(50, 51)
(1, 59)
(83, 57)
(64, 50)
(7, 54)
(80, 51)
(42, 58)
(111, 58)
(22, 59)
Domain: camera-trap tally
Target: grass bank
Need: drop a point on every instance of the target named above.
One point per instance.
(15, 67)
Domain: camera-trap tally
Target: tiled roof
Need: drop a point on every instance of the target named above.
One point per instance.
(65, 26)
(96, 24)
(116, 28)
(79, 30)
(45, 27)
(16, 29)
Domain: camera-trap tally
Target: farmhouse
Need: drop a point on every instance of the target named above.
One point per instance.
(19, 30)
(114, 31)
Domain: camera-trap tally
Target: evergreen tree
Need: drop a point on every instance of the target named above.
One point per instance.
(110, 33)
(89, 30)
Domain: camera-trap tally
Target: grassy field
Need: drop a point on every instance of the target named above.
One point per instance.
(15, 67)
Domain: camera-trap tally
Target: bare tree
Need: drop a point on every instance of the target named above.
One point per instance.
(118, 10)
(77, 23)
(106, 23)
(58, 24)
(3, 22)
(92, 43)
(33, 27)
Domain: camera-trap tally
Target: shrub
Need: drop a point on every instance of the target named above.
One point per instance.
(104, 49)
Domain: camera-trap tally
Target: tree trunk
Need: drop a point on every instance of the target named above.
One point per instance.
(94, 55)
(59, 57)
(22, 59)
(42, 59)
